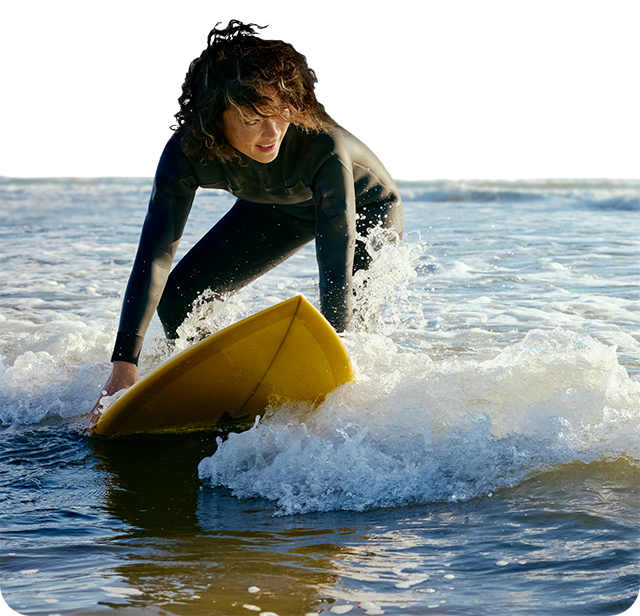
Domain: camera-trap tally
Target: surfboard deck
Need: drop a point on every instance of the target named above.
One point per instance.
(288, 352)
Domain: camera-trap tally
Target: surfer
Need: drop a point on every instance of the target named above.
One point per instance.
(250, 124)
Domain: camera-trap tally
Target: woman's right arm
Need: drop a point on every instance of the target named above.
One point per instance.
(173, 192)
(174, 189)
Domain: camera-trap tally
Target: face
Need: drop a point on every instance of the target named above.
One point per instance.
(257, 137)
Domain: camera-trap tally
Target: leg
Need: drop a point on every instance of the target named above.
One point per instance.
(247, 242)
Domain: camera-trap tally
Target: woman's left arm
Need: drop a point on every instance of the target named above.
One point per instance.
(335, 239)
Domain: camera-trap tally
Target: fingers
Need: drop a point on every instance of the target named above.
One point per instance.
(123, 376)
(94, 417)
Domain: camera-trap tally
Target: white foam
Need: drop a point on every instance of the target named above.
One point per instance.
(341, 609)
(413, 430)
(121, 592)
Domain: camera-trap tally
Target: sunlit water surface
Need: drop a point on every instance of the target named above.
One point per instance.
(484, 462)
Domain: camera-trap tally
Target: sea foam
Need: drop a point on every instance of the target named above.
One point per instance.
(410, 430)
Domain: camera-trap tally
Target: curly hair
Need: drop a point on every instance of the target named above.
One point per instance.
(239, 70)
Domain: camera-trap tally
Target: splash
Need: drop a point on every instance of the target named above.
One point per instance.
(44, 370)
(413, 431)
(382, 295)
(210, 314)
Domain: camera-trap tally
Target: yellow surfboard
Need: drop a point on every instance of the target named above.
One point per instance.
(287, 352)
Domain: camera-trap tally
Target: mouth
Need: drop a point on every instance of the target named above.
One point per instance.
(267, 148)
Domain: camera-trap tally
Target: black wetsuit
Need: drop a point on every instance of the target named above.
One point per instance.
(325, 187)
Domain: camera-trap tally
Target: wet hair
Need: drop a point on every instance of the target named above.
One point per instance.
(242, 71)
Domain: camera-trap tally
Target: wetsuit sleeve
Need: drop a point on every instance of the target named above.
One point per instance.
(172, 195)
(335, 239)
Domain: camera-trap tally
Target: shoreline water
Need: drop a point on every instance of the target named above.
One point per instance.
(485, 461)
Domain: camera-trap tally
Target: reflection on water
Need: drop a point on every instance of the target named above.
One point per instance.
(191, 546)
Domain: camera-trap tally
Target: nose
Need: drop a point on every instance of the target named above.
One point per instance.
(270, 128)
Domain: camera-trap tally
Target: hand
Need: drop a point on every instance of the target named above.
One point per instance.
(123, 376)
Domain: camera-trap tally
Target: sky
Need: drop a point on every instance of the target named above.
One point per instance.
(423, 113)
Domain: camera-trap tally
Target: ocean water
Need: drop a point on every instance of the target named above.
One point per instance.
(486, 460)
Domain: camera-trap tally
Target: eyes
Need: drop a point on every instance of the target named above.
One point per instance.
(256, 120)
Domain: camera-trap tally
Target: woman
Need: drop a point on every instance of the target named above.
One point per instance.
(249, 123)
